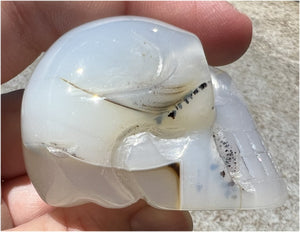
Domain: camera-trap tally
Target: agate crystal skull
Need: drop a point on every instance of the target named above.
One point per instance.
(126, 108)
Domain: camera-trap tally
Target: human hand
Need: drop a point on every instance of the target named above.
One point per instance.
(28, 28)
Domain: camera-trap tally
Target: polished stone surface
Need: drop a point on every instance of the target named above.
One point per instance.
(271, 68)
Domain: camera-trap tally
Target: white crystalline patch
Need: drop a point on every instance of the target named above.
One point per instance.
(232, 159)
(60, 150)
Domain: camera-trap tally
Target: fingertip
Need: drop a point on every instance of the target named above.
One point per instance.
(224, 32)
(228, 35)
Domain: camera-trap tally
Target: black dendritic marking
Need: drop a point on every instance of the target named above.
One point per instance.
(172, 114)
(231, 183)
(203, 86)
(222, 174)
(158, 119)
(187, 99)
(227, 150)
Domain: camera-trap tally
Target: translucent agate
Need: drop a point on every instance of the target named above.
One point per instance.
(126, 108)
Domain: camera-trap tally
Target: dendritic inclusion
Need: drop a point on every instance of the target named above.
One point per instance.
(126, 108)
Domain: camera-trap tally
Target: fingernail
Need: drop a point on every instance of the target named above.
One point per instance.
(149, 218)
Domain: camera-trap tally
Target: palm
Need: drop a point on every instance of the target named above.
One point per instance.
(30, 28)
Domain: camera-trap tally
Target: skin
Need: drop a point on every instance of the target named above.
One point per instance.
(28, 28)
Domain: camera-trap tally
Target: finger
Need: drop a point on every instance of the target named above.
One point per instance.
(138, 216)
(12, 162)
(23, 201)
(30, 28)
(224, 32)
